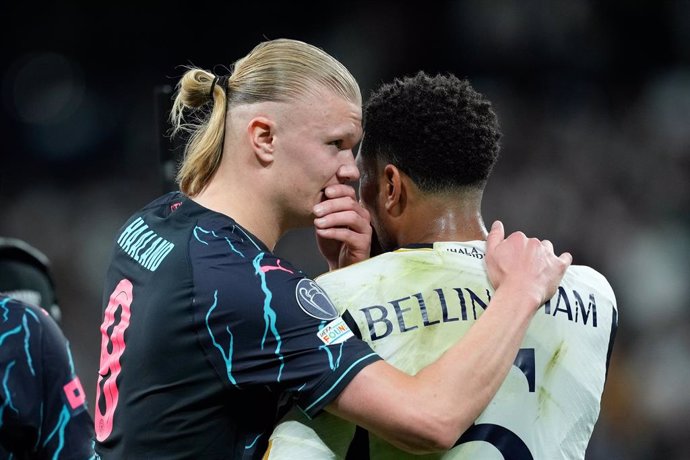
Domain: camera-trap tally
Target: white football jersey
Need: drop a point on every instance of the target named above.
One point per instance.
(411, 305)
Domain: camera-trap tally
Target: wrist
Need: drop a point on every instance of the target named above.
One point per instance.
(520, 296)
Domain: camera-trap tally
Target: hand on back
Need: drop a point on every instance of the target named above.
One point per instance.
(527, 265)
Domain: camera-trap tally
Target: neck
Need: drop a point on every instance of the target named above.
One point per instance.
(246, 204)
(440, 217)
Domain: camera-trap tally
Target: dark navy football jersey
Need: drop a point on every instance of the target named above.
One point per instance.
(208, 338)
(42, 403)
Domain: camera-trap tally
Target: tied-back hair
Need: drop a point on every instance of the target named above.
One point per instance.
(436, 129)
(279, 70)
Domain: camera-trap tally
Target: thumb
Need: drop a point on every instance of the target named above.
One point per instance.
(496, 235)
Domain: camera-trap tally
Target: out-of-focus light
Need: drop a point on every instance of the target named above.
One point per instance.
(652, 275)
(666, 110)
(44, 88)
(59, 118)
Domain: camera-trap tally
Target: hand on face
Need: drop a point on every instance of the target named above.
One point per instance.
(343, 230)
(526, 265)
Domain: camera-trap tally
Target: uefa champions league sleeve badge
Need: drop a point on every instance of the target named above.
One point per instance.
(315, 303)
(313, 300)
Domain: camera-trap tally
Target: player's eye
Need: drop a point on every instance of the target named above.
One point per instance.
(337, 143)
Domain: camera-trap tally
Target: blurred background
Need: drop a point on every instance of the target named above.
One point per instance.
(593, 98)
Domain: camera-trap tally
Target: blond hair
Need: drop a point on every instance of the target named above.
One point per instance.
(278, 70)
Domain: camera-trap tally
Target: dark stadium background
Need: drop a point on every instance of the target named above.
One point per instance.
(593, 97)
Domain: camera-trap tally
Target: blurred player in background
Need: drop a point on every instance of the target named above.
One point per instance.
(43, 411)
(208, 338)
(430, 144)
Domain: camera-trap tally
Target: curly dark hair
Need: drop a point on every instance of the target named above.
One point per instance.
(438, 130)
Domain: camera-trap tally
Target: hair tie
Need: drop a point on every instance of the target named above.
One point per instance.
(222, 82)
(213, 85)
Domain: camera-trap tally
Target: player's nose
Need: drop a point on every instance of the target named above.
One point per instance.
(348, 171)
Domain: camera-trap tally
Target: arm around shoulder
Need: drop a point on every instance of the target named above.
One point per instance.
(428, 412)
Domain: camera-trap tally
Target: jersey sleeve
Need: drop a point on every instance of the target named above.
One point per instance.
(43, 411)
(261, 322)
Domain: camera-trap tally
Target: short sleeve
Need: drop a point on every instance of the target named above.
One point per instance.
(261, 322)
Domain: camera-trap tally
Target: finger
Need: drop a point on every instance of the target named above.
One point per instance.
(348, 218)
(340, 190)
(548, 245)
(350, 238)
(338, 205)
(496, 235)
(566, 258)
(518, 235)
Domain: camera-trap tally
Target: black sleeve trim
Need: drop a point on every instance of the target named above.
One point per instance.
(614, 329)
(352, 324)
(359, 447)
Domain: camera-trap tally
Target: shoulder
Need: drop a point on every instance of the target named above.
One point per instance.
(407, 264)
(169, 201)
(222, 247)
(30, 333)
(587, 276)
(231, 272)
(365, 268)
(19, 314)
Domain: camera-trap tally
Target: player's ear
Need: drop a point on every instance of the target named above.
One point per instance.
(261, 136)
(394, 190)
